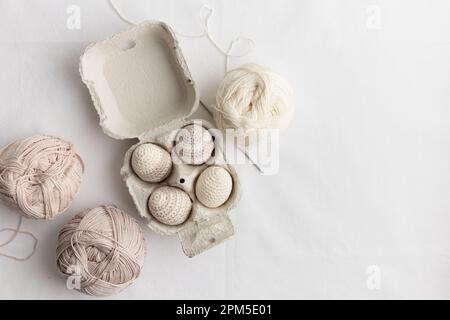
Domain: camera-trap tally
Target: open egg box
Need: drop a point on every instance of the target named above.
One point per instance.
(141, 88)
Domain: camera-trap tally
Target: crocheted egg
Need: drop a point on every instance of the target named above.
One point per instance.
(170, 205)
(151, 162)
(214, 187)
(194, 144)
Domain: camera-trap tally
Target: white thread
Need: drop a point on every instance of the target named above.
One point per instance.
(205, 33)
(125, 19)
(16, 231)
(228, 54)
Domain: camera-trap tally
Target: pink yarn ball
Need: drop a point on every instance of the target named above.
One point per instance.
(40, 175)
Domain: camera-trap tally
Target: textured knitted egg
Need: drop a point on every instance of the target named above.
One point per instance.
(170, 205)
(194, 144)
(151, 162)
(214, 187)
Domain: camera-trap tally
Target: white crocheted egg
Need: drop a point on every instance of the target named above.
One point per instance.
(214, 187)
(194, 144)
(170, 205)
(151, 162)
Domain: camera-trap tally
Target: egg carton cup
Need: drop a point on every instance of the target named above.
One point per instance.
(141, 88)
(205, 227)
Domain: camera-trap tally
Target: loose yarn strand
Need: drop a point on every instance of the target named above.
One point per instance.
(228, 54)
(15, 232)
(121, 16)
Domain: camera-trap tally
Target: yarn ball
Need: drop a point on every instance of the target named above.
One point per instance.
(40, 175)
(151, 162)
(213, 187)
(252, 98)
(170, 205)
(104, 247)
(194, 144)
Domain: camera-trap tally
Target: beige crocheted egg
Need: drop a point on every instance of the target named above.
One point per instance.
(194, 144)
(170, 205)
(214, 187)
(151, 162)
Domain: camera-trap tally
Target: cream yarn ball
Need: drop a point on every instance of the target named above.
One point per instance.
(213, 187)
(194, 144)
(151, 162)
(252, 98)
(104, 247)
(170, 205)
(40, 175)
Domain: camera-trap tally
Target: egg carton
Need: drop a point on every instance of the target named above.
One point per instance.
(141, 88)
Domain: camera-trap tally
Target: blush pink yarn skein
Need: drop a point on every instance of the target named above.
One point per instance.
(104, 247)
(40, 175)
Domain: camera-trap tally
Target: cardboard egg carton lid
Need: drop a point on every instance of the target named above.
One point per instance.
(139, 81)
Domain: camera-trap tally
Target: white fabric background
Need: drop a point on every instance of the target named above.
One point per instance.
(365, 167)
